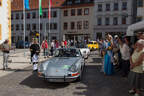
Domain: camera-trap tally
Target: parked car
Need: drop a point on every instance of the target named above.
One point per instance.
(20, 44)
(66, 66)
(85, 51)
(92, 45)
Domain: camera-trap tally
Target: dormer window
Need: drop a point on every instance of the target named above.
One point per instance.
(77, 1)
(69, 2)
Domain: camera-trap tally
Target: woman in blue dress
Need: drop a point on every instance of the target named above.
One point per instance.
(108, 58)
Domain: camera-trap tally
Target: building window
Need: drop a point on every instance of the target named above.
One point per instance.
(79, 25)
(51, 26)
(54, 14)
(65, 26)
(87, 1)
(11, 16)
(0, 2)
(33, 15)
(47, 26)
(28, 26)
(107, 21)
(65, 12)
(17, 27)
(99, 21)
(55, 26)
(116, 7)
(22, 27)
(17, 16)
(79, 12)
(21, 15)
(115, 21)
(86, 11)
(99, 7)
(107, 7)
(28, 15)
(124, 19)
(72, 12)
(77, 1)
(72, 25)
(12, 27)
(140, 3)
(44, 14)
(138, 19)
(124, 5)
(41, 26)
(86, 24)
(33, 26)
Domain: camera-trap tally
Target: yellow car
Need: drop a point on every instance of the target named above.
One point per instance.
(92, 45)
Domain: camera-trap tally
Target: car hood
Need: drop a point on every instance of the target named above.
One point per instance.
(59, 66)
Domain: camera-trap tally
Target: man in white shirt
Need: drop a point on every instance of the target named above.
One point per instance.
(125, 55)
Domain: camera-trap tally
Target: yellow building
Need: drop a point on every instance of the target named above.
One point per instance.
(5, 20)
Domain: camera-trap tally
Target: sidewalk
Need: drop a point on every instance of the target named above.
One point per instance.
(19, 62)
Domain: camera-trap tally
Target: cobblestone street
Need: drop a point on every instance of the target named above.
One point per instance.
(23, 82)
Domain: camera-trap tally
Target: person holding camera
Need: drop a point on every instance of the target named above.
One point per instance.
(35, 50)
(5, 47)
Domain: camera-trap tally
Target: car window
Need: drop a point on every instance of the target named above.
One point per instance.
(95, 42)
(66, 53)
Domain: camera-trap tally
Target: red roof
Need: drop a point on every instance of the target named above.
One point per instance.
(34, 4)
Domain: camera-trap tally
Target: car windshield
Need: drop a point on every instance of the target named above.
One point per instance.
(90, 42)
(66, 53)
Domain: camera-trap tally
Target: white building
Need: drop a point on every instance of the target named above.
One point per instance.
(5, 21)
(113, 16)
(139, 26)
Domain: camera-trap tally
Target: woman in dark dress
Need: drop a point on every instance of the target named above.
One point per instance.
(35, 50)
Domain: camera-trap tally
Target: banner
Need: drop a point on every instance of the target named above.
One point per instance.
(26, 4)
(40, 8)
(49, 10)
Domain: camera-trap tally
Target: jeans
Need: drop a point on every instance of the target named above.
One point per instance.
(5, 60)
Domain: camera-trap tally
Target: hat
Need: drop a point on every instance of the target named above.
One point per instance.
(141, 41)
(116, 36)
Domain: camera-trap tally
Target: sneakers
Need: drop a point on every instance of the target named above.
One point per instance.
(131, 91)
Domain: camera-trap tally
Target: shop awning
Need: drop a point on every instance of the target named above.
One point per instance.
(135, 28)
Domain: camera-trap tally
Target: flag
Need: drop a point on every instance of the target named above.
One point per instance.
(40, 7)
(26, 4)
(49, 10)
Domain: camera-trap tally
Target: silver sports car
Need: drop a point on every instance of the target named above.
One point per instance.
(66, 66)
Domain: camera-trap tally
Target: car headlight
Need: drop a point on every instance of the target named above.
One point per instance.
(73, 68)
(43, 67)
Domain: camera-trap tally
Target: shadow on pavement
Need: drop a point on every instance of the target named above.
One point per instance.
(34, 82)
(16, 70)
(96, 60)
(96, 84)
(21, 62)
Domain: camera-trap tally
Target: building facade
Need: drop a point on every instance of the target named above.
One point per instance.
(139, 25)
(113, 16)
(140, 10)
(5, 21)
(77, 20)
(49, 29)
